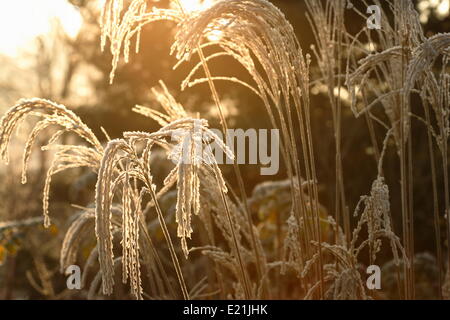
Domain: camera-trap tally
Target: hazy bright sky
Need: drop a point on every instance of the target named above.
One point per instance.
(22, 20)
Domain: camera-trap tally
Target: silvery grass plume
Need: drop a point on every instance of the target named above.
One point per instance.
(66, 157)
(376, 216)
(187, 143)
(120, 24)
(51, 114)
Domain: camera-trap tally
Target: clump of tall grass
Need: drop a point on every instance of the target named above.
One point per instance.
(255, 34)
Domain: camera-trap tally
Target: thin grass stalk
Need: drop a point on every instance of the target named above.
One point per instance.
(327, 24)
(340, 191)
(304, 117)
(245, 281)
(237, 171)
(404, 201)
(444, 152)
(172, 251)
(437, 228)
(446, 189)
(411, 208)
(380, 170)
(157, 259)
(168, 239)
(217, 268)
(373, 136)
(404, 187)
(315, 193)
(441, 104)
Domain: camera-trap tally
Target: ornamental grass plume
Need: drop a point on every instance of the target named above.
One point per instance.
(66, 157)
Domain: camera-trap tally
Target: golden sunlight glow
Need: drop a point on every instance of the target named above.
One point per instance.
(22, 20)
(195, 5)
(215, 34)
(441, 8)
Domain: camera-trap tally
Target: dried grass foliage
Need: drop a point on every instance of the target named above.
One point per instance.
(257, 35)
